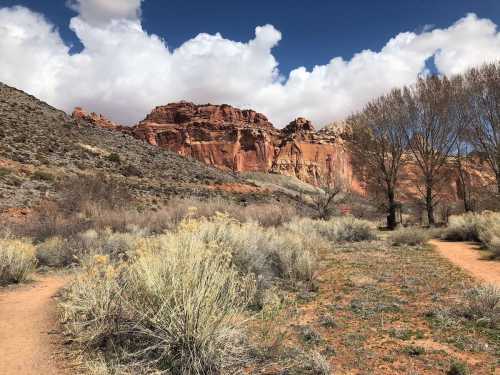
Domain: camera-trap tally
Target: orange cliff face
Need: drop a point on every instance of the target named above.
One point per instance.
(241, 141)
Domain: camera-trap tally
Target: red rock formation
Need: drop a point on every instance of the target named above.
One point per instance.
(241, 140)
(94, 118)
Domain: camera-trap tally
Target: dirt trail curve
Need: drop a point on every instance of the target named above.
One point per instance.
(466, 256)
(27, 320)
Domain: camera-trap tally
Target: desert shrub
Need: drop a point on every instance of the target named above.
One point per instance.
(17, 260)
(180, 300)
(482, 305)
(463, 228)
(313, 363)
(53, 252)
(91, 309)
(339, 229)
(42, 176)
(61, 252)
(48, 221)
(489, 233)
(458, 368)
(4, 172)
(267, 253)
(114, 157)
(267, 215)
(86, 194)
(409, 236)
(191, 302)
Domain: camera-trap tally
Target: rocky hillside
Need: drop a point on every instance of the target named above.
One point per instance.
(40, 146)
(242, 141)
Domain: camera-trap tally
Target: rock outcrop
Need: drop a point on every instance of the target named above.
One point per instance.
(242, 140)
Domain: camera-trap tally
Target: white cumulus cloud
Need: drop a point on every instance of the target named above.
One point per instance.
(101, 11)
(123, 72)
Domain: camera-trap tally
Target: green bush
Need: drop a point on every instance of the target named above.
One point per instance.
(17, 261)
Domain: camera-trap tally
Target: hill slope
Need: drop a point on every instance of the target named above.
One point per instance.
(40, 145)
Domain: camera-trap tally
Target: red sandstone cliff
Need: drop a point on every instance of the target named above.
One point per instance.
(241, 140)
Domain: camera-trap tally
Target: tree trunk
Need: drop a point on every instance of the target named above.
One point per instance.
(429, 205)
(391, 217)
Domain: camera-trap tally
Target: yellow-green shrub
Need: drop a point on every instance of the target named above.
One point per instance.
(175, 306)
(17, 260)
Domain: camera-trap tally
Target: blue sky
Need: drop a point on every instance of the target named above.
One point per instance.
(321, 60)
(313, 34)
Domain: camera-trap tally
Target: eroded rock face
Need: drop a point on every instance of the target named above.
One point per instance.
(94, 118)
(243, 140)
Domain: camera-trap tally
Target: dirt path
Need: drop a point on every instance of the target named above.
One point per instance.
(27, 321)
(466, 256)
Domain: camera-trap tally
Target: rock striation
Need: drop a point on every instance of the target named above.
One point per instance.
(241, 141)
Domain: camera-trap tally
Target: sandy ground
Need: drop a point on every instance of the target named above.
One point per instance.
(27, 328)
(467, 256)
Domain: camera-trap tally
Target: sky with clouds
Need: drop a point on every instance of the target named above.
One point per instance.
(123, 71)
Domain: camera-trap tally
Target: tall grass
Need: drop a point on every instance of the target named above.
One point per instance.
(17, 260)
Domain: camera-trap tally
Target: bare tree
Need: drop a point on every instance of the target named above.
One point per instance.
(483, 88)
(326, 200)
(378, 141)
(431, 133)
(462, 154)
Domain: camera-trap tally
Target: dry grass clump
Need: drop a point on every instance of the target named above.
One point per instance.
(409, 236)
(339, 229)
(177, 305)
(17, 260)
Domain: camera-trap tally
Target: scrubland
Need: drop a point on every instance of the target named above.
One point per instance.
(209, 287)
